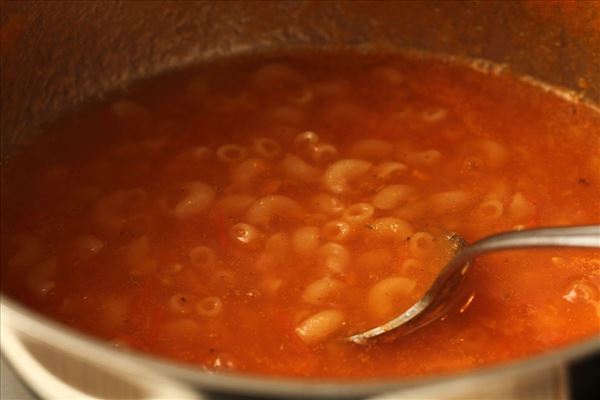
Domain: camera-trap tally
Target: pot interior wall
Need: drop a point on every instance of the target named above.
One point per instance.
(56, 55)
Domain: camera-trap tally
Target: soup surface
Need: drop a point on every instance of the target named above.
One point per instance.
(249, 214)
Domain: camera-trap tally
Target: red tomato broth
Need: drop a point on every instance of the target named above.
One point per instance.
(463, 136)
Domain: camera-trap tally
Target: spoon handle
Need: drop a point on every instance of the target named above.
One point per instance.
(574, 236)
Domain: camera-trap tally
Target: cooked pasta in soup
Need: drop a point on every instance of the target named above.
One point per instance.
(249, 214)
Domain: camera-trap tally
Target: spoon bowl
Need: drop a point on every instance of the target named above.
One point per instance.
(443, 296)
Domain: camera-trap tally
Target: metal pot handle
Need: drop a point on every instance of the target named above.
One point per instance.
(55, 373)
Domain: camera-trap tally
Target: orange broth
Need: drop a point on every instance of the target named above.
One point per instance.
(249, 214)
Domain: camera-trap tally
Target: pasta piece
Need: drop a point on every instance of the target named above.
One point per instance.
(388, 170)
(337, 231)
(334, 257)
(297, 169)
(185, 329)
(114, 310)
(484, 154)
(246, 236)
(520, 208)
(202, 258)
(301, 96)
(494, 153)
(424, 158)
(386, 295)
(375, 260)
(412, 267)
(305, 241)
(138, 258)
(450, 201)
(490, 209)
(339, 175)
(391, 228)
(267, 148)
(87, 245)
(322, 291)
(277, 247)
(433, 115)
(306, 140)
(247, 172)
(199, 198)
(231, 153)
(421, 244)
(392, 196)
(278, 243)
(412, 210)
(370, 149)
(320, 326)
(167, 272)
(323, 153)
(41, 279)
(209, 306)
(224, 279)
(181, 303)
(265, 209)
(358, 213)
(271, 285)
(315, 219)
(326, 204)
(201, 153)
(122, 210)
(499, 190)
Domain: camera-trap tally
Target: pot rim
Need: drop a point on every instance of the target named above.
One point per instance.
(46, 330)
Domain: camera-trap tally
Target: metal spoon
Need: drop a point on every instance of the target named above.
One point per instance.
(441, 296)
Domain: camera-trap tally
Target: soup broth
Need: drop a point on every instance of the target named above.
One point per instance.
(249, 214)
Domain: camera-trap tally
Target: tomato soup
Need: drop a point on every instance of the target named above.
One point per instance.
(250, 214)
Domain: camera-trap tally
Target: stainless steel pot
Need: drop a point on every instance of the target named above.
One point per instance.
(56, 55)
